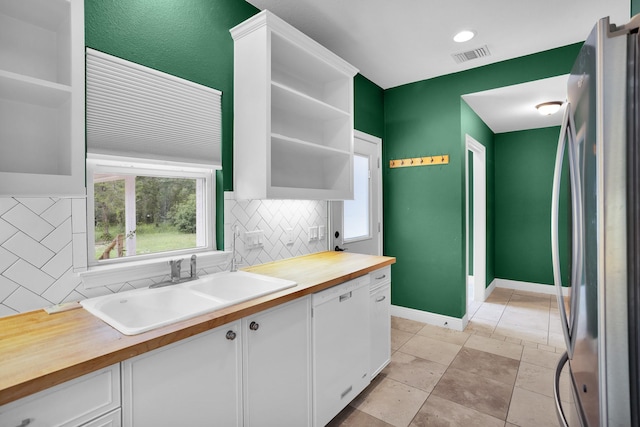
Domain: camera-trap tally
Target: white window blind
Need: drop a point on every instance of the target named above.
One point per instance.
(135, 111)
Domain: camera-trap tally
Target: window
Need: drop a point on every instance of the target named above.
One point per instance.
(139, 210)
(357, 212)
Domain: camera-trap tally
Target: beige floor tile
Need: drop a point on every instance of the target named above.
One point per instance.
(529, 409)
(391, 401)
(351, 417)
(488, 365)
(539, 379)
(414, 371)
(406, 325)
(438, 412)
(473, 391)
(498, 298)
(557, 340)
(399, 338)
(549, 348)
(526, 318)
(481, 325)
(501, 348)
(489, 311)
(513, 340)
(521, 332)
(539, 357)
(444, 334)
(527, 299)
(430, 349)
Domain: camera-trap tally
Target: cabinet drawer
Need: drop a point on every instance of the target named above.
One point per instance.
(380, 276)
(70, 404)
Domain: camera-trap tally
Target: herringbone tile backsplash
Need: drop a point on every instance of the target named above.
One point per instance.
(42, 240)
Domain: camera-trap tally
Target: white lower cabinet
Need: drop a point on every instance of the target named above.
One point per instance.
(340, 347)
(112, 419)
(77, 402)
(193, 382)
(277, 366)
(380, 328)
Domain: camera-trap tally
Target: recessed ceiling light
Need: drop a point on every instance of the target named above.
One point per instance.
(464, 36)
(549, 108)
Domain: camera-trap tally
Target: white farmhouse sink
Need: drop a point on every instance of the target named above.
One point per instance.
(237, 286)
(141, 310)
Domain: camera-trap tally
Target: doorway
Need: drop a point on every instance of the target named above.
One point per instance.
(476, 214)
(356, 225)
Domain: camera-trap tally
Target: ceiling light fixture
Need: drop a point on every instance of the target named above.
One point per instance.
(464, 36)
(549, 108)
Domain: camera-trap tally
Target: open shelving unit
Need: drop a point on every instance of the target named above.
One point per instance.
(293, 115)
(42, 98)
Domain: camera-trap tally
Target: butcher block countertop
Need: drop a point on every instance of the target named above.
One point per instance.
(40, 350)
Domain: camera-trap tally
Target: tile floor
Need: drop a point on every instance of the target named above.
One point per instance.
(497, 372)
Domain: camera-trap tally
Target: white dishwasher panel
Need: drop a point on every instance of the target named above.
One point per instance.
(341, 347)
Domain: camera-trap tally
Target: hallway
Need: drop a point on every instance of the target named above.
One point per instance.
(498, 372)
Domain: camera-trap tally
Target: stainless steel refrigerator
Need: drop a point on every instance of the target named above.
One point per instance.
(601, 321)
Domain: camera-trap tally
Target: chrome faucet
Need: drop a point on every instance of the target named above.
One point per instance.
(192, 274)
(234, 262)
(175, 265)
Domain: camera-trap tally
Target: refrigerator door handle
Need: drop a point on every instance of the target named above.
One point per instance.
(555, 201)
(562, 419)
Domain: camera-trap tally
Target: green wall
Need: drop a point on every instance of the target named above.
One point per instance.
(523, 180)
(368, 106)
(424, 206)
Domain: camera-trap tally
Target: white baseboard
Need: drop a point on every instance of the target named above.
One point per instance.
(528, 286)
(430, 318)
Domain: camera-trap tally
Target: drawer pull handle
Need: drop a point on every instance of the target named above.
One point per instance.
(25, 422)
(231, 335)
(382, 298)
(254, 326)
(347, 391)
(381, 277)
(345, 297)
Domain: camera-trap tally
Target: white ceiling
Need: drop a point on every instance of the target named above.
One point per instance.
(394, 42)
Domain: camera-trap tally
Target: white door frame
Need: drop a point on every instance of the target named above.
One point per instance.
(332, 242)
(479, 217)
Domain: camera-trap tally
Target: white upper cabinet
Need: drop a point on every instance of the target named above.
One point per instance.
(293, 114)
(42, 98)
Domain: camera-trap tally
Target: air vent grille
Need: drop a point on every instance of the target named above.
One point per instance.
(469, 55)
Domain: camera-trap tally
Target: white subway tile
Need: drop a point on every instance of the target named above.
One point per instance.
(79, 215)
(28, 249)
(58, 213)
(36, 204)
(28, 222)
(29, 277)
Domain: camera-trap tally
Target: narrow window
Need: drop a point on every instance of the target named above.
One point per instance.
(357, 212)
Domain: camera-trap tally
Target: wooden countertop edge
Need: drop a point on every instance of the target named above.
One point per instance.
(119, 347)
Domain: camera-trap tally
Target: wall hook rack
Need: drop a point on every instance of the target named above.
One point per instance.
(441, 159)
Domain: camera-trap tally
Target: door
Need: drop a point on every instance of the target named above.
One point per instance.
(356, 225)
(277, 366)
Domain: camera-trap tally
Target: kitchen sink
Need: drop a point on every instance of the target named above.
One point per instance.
(141, 310)
(238, 286)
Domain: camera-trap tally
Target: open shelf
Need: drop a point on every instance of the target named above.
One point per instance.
(293, 117)
(41, 97)
(299, 165)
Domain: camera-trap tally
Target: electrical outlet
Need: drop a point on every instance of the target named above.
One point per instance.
(289, 234)
(254, 239)
(322, 231)
(313, 233)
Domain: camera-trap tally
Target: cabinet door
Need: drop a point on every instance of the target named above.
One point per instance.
(194, 382)
(380, 335)
(112, 419)
(69, 404)
(277, 366)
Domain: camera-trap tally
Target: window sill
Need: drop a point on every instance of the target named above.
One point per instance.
(106, 275)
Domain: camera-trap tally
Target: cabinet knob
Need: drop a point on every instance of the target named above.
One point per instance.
(231, 335)
(380, 299)
(25, 422)
(254, 326)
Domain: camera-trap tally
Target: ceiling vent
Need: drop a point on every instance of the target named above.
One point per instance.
(480, 52)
